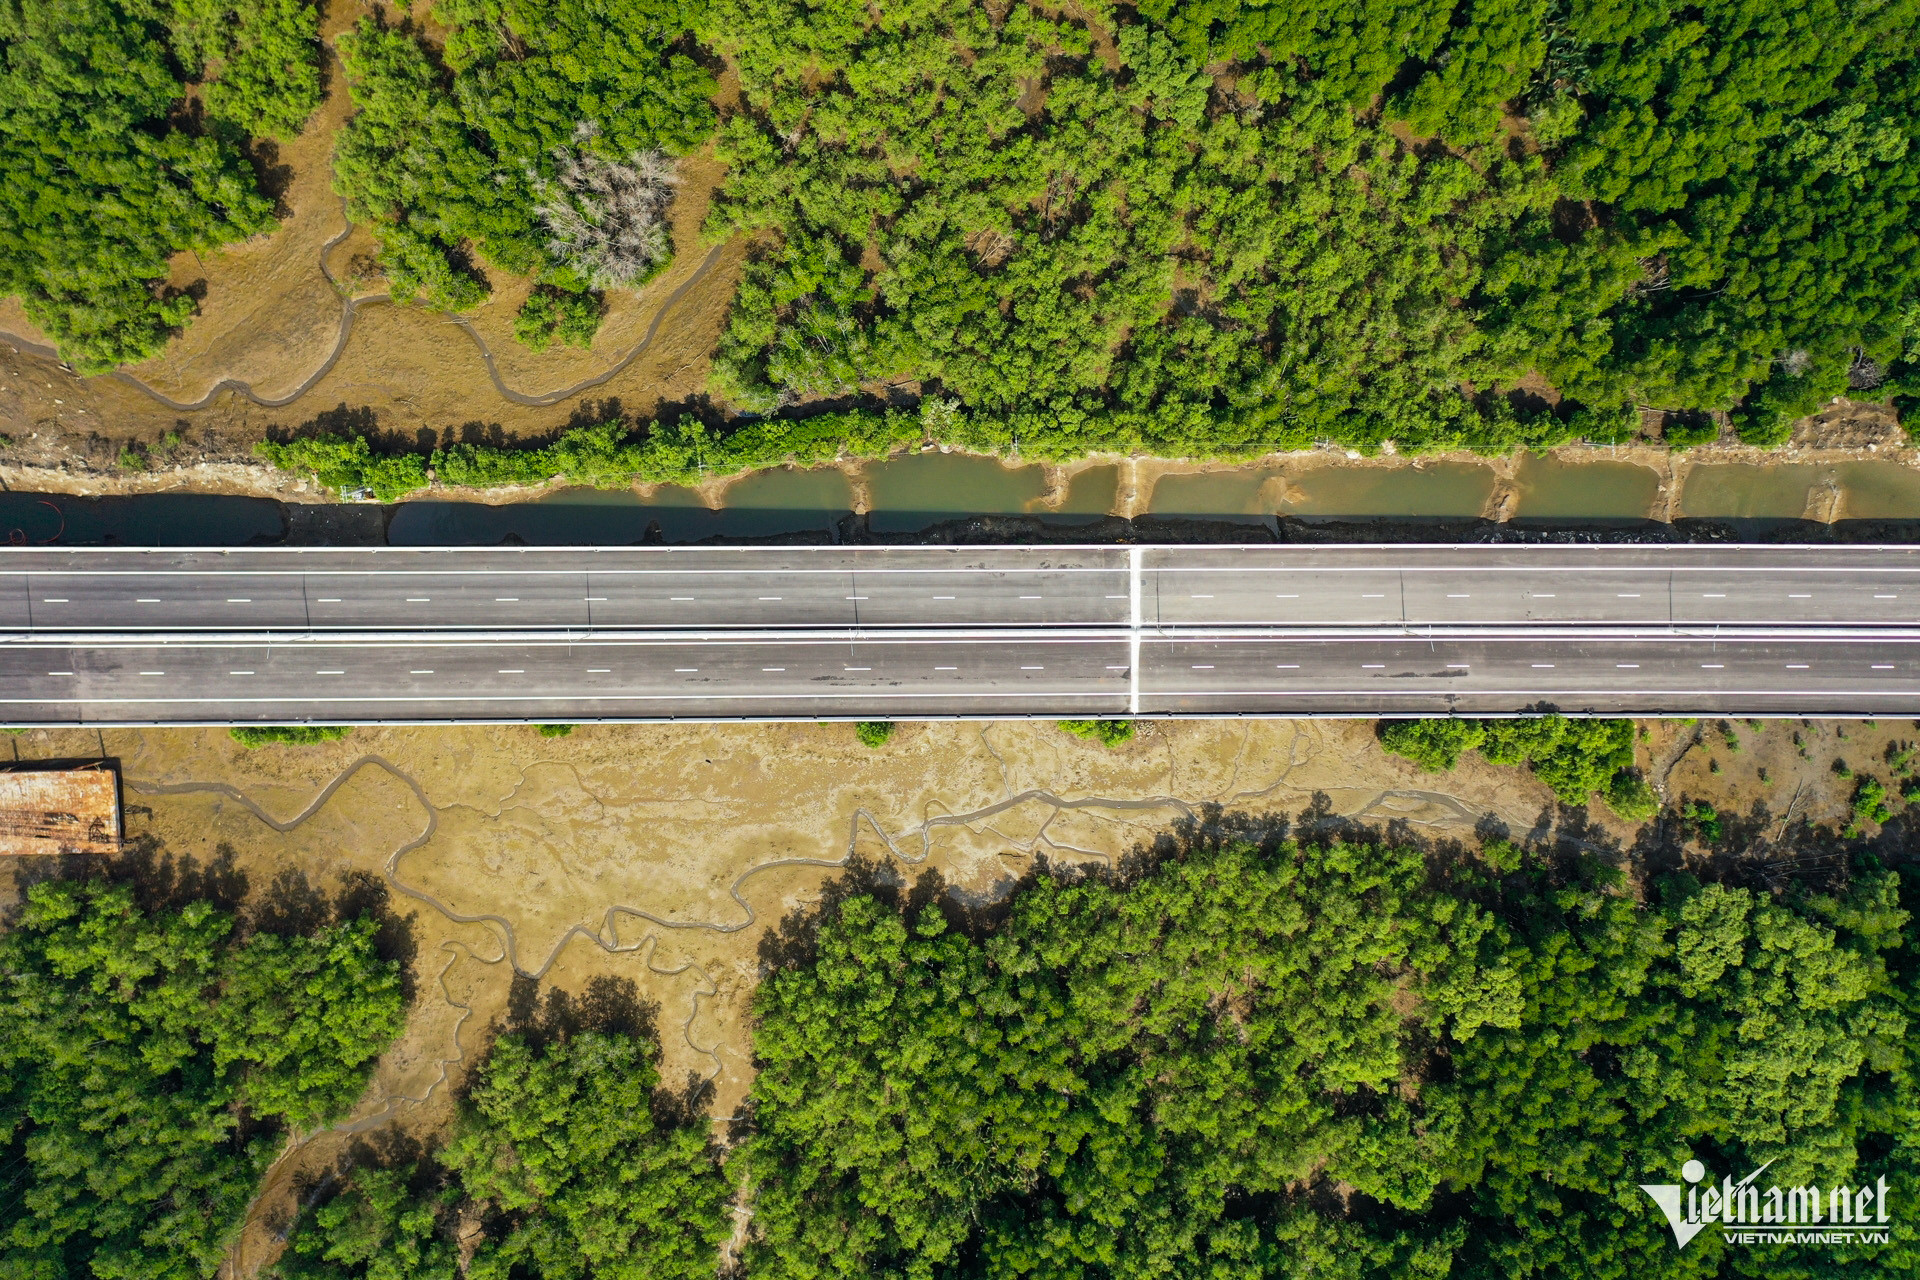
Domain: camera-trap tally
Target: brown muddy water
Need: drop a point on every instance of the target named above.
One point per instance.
(908, 493)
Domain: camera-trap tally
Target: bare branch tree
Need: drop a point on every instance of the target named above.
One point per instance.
(606, 220)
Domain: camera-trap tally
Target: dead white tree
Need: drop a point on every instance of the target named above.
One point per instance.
(604, 219)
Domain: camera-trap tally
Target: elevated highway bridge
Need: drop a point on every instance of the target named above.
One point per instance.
(275, 635)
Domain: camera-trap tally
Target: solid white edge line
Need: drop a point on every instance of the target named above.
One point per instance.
(456, 699)
(1135, 555)
(1665, 695)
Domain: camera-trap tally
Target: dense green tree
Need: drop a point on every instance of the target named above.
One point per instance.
(1574, 757)
(106, 177)
(1206, 227)
(562, 1142)
(1031, 243)
(1220, 228)
(1712, 1022)
(1434, 744)
(151, 1063)
(1298, 1061)
(378, 1227)
(609, 455)
(559, 1160)
(1759, 192)
(346, 464)
(268, 55)
(466, 145)
(1117, 1081)
(548, 314)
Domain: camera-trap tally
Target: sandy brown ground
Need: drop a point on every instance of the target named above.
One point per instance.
(663, 855)
(1770, 776)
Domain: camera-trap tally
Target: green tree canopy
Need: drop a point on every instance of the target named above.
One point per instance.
(1575, 757)
(1712, 1022)
(150, 1064)
(560, 1157)
(1330, 1059)
(1115, 1081)
(1215, 227)
(106, 177)
(463, 146)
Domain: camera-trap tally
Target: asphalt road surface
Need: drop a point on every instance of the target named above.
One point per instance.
(277, 635)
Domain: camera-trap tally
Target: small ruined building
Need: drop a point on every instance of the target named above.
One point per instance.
(59, 808)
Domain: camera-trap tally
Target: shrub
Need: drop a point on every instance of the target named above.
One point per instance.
(292, 735)
(1630, 796)
(550, 313)
(348, 465)
(555, 730)
(1108, 733)
(1870, 801)
(1701, 818)
(1434, 745)
(874, 733)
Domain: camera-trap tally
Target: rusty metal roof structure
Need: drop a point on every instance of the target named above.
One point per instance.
(69, 807)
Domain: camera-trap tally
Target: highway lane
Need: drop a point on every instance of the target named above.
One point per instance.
(196, 677)
(1440, 585)
(391, 588)
(1479, 671)
(530, 675)
(123, 636)
(102, 588)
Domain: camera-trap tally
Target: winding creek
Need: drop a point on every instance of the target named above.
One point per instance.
(908, 493)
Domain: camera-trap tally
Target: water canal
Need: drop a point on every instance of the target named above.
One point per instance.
(908, 493)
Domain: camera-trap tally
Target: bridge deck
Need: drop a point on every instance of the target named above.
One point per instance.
(270, 635)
